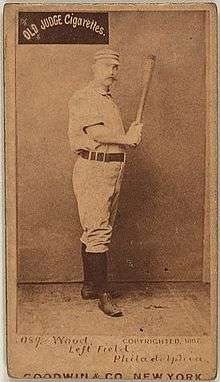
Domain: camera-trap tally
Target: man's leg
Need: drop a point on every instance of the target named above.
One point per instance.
(88, 290)
(115, 198)
(98, 263)
(95, 187)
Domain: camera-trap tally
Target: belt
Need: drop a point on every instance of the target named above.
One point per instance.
(102, 157)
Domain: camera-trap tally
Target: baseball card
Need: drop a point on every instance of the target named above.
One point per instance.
(111, 191)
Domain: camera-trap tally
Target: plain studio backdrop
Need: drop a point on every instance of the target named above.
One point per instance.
(160, 223)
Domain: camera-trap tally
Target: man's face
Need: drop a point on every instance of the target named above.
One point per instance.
(105, 72)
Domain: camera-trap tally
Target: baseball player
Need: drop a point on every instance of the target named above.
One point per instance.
(97, 135)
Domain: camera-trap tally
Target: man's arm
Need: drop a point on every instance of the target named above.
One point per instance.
(102, 134)
(78, 119)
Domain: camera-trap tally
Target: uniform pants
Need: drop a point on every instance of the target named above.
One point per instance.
(97, 186)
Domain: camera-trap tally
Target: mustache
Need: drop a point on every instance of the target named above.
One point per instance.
(112, 78)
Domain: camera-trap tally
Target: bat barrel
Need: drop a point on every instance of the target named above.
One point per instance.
(148, 69)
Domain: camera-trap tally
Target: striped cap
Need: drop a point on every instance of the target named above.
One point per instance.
(107, 54)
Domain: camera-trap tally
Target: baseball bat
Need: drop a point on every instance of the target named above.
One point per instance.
(147, 75)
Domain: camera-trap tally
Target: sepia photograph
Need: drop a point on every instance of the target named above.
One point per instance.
(111, 190)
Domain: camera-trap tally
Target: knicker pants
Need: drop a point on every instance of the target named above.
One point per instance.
(97, 186)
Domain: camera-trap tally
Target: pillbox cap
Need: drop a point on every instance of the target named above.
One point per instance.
(107, 54)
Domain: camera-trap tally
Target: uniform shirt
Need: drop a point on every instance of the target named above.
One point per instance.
(89, 107)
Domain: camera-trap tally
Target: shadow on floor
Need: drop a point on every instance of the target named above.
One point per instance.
(150, 309)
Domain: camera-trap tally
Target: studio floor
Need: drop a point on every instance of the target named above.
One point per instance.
(163, 308)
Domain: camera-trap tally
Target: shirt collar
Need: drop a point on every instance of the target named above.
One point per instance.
(98, 90)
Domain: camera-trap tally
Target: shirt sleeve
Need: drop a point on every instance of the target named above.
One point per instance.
(82, 115)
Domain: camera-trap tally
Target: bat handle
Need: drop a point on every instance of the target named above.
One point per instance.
(139, 116)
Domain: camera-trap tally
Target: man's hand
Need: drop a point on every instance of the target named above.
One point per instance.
(102, 134)
(133, 136)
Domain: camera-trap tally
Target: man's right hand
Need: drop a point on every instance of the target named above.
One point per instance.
(133, 136)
